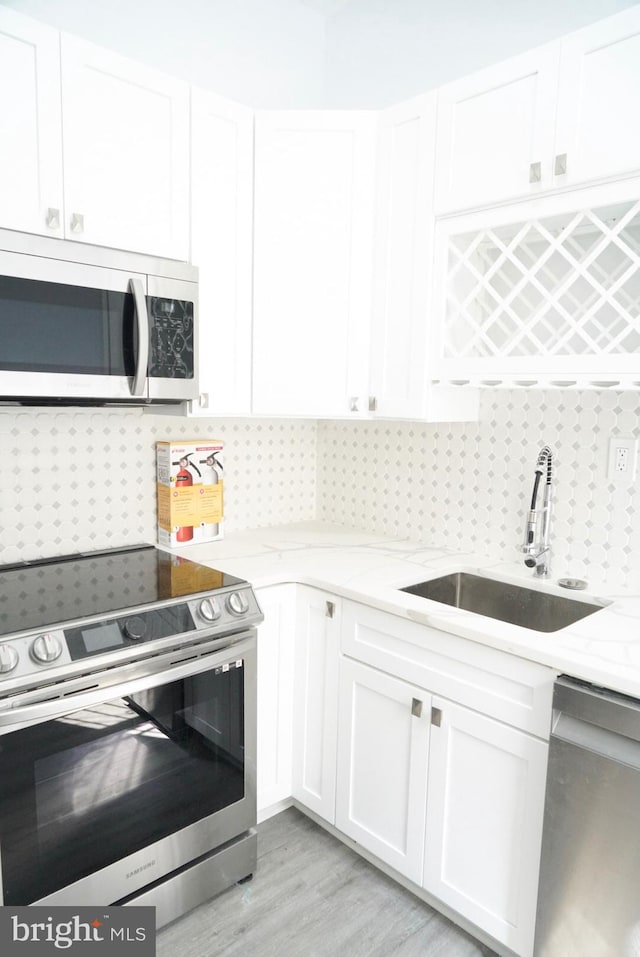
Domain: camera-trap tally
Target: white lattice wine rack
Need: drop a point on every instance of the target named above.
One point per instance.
(553, 299)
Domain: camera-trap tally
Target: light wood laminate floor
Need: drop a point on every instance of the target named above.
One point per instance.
(314, 897)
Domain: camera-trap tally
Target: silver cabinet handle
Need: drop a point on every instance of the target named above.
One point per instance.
(52, 218)
(373, 403)
(535, 172)
(416, 708)
(436, 717)
(560, 164)
(142, 324)
(77, 223)
(353, 403)
(330, 609)
(203, 400)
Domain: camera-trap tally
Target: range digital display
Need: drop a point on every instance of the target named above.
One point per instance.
(100, 637)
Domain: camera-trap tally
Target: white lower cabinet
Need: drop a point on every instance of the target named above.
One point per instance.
(315, 729)
(484, 822)
(447, 795)
(275, 696)
(427, 750)
(382, 765)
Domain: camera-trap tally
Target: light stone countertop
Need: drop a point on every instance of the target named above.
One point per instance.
(603, 648)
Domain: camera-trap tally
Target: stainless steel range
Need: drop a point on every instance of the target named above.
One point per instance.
(127, 731)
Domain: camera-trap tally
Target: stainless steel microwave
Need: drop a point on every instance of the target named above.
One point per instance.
(82, 324)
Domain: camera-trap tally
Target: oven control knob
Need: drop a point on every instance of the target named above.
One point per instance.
(135, 628)
(8, 659)
(238, 603)
(209, 609)
(46, 649)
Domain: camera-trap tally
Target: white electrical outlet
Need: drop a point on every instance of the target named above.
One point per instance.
(623, 454)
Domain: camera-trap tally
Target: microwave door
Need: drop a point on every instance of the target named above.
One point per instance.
(173, 339)
(68, 330)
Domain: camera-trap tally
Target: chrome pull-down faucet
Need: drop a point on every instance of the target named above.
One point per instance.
(536, 535)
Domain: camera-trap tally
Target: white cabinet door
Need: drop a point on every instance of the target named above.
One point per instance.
(126, 152)
(383, 752)
(221, 247)
(312, 261)
(597, 128)
(402, 261)
(315, 707)
(484, 822)
(492, 126)
(30, 126)
(275, 695)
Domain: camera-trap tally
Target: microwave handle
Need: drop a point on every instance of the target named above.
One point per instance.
(142, 323)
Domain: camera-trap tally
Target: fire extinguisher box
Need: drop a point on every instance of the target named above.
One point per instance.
(190, 492)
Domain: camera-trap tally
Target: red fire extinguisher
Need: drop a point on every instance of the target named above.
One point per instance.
(184, 479)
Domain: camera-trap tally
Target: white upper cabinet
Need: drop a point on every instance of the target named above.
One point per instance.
(30, 126)
(549, 119)
(403, 251)
(597, 127)
(313, 234)
(221, 247)
(126, 152)
(402, 256)
(495, 131)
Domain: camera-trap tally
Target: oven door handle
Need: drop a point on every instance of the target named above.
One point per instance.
(59, 707)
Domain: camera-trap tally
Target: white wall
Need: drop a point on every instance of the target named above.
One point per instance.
(382, 51)
(338, 54)
(265, 53)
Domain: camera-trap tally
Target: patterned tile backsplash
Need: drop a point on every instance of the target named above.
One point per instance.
(468, 486)
(79, 479)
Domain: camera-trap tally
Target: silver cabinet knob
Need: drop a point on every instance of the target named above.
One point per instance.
(135, 628)
(46, 649)
(209, 609)
(8, 659)
(373, 404)
(560, 165)
(52, 218)
(353, 403)
(238, 603)
(77, 223)
(535, 172)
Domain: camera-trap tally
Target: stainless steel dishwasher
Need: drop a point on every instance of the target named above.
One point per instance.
(589, 896)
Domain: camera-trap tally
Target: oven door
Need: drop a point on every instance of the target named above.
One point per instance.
(109, 789)
(71, 331)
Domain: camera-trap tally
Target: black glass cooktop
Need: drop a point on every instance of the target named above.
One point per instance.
(48, 592)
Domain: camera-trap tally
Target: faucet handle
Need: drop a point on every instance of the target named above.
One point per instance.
(530, 530)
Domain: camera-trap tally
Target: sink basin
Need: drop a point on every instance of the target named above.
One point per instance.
(514, 604)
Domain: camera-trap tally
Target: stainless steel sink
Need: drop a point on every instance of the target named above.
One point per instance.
(514, 604)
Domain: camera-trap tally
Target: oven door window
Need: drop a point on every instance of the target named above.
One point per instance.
(59, 328)
(81, 792)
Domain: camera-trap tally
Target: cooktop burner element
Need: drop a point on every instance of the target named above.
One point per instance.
(56, 613)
